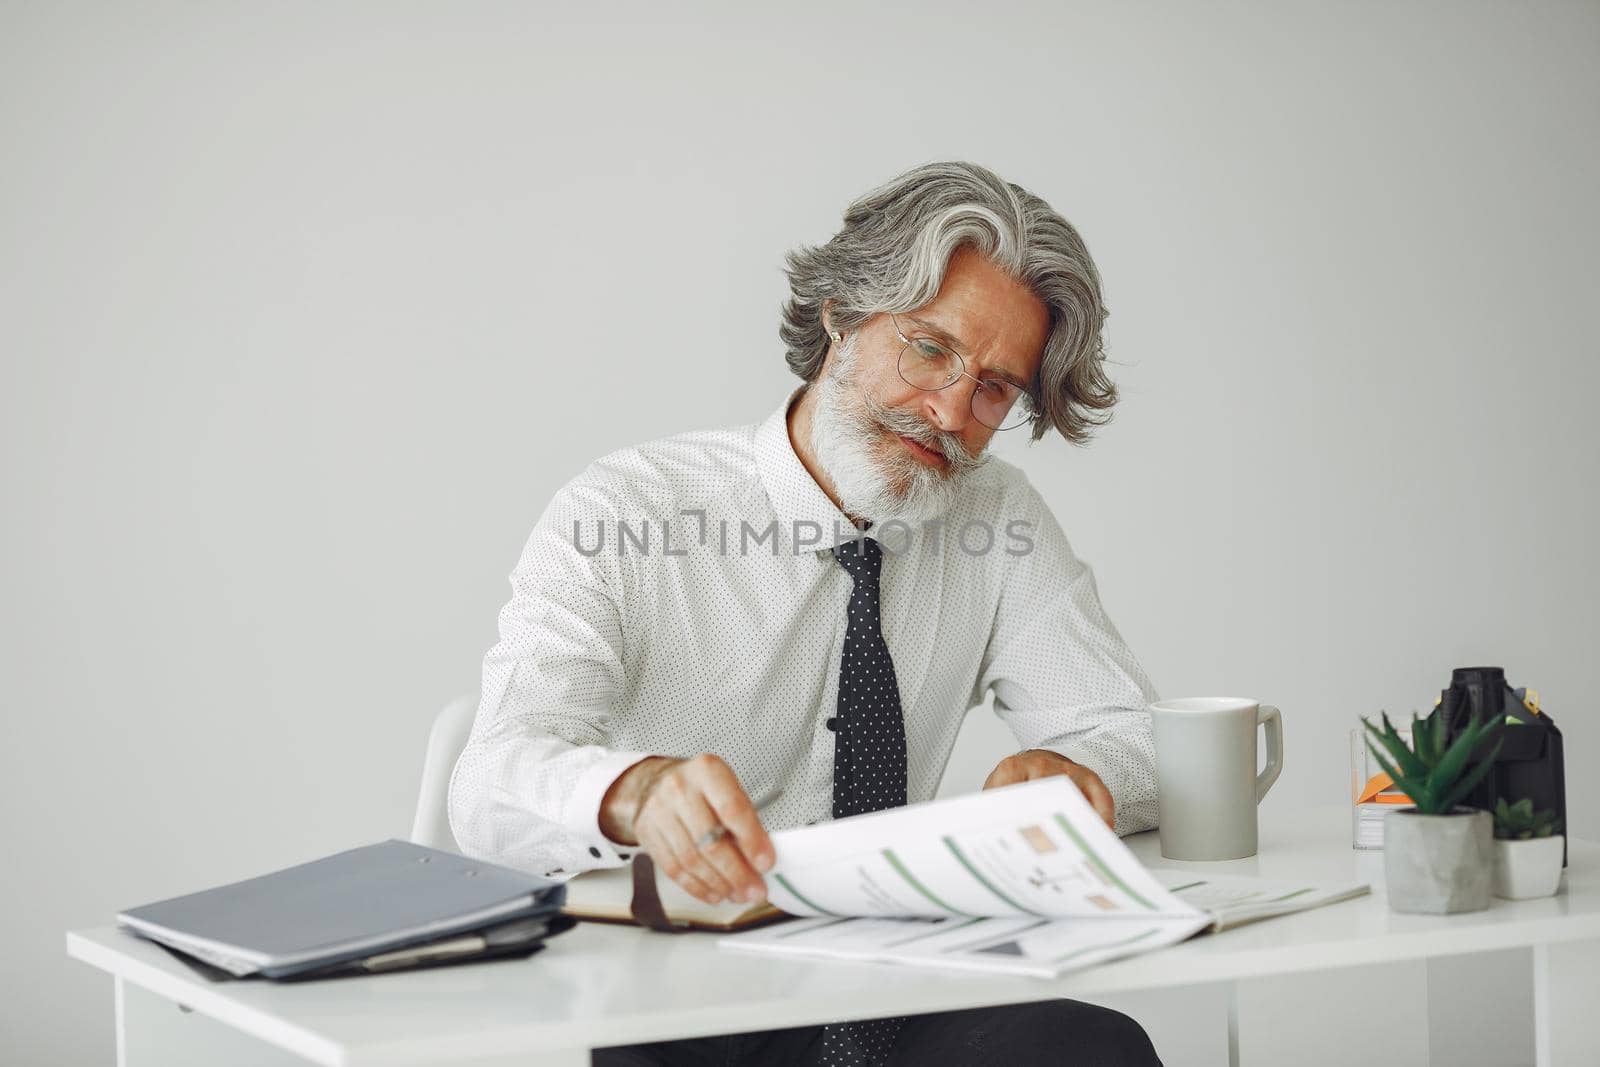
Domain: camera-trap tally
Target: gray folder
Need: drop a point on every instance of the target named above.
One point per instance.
(341, 907)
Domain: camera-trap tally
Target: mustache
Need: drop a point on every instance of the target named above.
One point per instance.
(908, 425)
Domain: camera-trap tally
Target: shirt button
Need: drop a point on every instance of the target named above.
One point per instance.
(832, 723)
(594, 852)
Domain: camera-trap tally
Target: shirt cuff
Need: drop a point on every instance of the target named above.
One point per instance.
(583, 807)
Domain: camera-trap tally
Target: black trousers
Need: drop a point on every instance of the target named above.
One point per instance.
(1060, 1033)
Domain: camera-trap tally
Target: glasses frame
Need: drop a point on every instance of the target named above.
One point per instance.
(961, 372)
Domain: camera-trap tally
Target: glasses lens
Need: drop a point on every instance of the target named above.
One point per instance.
(1001, 405)
(928, 365)
(997, 404)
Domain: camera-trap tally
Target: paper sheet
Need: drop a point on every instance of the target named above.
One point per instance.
(1034, 848)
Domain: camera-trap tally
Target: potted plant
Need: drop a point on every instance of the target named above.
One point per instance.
(1438, 858)
(1527, 850)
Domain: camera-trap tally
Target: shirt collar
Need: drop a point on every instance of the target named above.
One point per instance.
(794, 494)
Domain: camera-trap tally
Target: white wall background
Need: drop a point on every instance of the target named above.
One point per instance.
(305, 310)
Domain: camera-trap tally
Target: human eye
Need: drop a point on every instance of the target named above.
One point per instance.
(997, 388)
(930, 350)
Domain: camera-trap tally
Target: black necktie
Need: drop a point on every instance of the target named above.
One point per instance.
(869, 759)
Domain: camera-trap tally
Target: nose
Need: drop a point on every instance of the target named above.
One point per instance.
(950, 408)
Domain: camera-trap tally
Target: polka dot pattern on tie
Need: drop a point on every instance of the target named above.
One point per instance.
(869, 763)
(869, 771)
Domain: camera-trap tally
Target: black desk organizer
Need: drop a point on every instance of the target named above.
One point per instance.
(1529, 764)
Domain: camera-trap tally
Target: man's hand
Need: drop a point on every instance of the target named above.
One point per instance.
(1038, 763)
(668, 806)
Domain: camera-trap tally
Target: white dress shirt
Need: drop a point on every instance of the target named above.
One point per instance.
(616, 648)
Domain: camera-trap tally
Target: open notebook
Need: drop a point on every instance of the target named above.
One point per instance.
(608, 896)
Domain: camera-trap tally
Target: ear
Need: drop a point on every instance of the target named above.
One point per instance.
(827, 322)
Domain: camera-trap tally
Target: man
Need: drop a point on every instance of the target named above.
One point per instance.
(699, 621)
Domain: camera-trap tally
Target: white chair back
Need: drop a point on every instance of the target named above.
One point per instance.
(448, 737)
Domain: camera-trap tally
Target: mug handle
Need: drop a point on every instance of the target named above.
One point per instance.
(1272, 719)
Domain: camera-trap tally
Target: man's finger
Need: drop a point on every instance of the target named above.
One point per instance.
(672, 811)
(1098, 796)
(695, 858)
(733, 809)
(721, 851)
(1007, 773)
(665, 852)
(679, 857)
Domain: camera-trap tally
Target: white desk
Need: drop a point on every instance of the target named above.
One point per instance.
(602, 985)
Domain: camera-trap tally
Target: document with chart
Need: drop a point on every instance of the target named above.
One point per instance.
(1030, 849)
(1024, 879)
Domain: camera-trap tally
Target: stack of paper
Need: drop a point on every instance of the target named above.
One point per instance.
(1376, 799)
(1233, 900)
(1024, 879)
(1369, 825)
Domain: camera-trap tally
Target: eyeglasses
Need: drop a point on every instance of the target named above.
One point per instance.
(930, 366)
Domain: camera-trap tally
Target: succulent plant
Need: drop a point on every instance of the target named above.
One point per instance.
(1519, 822)
(1435, 772)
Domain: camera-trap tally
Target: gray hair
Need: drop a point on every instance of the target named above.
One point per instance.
(892, 254)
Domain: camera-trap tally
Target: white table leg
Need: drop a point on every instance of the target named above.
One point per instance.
(120, 994)
(1566, 988)
(1233, 1024)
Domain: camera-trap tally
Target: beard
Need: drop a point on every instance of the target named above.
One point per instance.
(875, 477)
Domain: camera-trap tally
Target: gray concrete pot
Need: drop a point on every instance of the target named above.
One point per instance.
(1438, 864)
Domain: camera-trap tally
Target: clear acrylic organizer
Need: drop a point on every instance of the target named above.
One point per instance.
(1370, 798)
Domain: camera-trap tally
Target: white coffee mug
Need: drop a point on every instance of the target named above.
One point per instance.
(1206, 774)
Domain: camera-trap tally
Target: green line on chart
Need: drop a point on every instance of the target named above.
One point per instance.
(800, 897)
(1083, 846)
(900, 868)
(951, 845)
